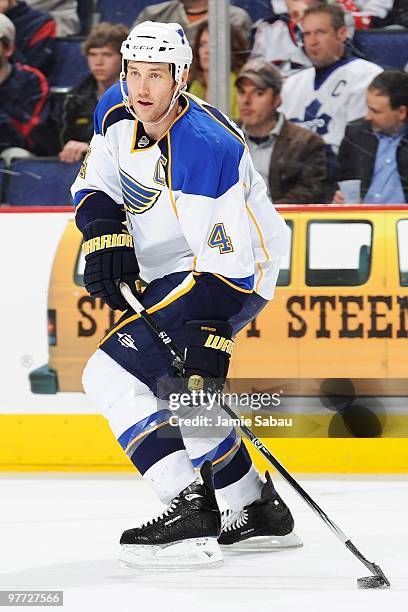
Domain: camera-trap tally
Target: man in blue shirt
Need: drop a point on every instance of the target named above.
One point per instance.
(375, 149)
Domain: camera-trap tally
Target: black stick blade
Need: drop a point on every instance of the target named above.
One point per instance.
(372, 582)
(379, 579)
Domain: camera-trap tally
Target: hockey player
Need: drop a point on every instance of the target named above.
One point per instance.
(204, 236)
(327, 96)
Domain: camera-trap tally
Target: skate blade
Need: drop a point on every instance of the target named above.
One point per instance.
(183, 555)
(266, 543)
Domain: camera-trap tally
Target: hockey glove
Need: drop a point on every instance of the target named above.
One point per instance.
(109, 259)
(208, 353)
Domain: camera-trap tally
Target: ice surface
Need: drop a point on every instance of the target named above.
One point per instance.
(62, 531)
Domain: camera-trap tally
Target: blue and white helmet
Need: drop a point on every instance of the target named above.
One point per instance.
(157, 42)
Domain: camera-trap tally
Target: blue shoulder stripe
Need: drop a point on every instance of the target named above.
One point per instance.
(218, 116)
(205, 151)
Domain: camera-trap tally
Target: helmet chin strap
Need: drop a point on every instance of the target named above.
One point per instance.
(179, 89)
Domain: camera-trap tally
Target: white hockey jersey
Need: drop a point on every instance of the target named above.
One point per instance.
(277, 43)
(193, 199)
(377, 8)
(326, 102)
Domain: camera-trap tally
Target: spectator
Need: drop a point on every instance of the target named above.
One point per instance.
(290, 159)
(364, 13)
(102, 50)
(199, 80)
(398, 15)
(279, 39)
(190, 14)
(375, 149)
(23, 99)
(64, 12)
(327, 96)
(35, 34)
(367, 13)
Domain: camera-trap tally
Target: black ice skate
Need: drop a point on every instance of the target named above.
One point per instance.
(184, 536)
(265, 524)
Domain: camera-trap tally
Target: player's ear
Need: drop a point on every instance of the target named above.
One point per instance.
(185, 76)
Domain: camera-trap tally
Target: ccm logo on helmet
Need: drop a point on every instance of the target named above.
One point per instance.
(142, 48)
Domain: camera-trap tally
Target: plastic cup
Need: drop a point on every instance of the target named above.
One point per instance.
(351, 190)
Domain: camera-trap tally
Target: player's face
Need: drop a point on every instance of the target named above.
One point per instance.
(105, 64)
(151, 88)
(257, 107)
(203, 51)
(381, 116)
(323, 44)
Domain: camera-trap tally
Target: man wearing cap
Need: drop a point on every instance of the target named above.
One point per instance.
(23, 99)
(290, 159)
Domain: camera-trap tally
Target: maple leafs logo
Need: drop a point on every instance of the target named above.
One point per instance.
(313, 121)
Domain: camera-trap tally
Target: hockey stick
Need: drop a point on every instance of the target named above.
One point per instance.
(378, 579)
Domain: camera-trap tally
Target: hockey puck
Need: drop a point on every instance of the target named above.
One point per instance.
(372, 582)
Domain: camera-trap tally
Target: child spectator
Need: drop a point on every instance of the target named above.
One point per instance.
(102, 50)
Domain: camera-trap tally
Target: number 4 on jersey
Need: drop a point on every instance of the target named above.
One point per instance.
(218, 238)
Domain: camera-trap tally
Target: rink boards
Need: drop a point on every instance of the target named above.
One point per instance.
(84, 442)
(48, 430)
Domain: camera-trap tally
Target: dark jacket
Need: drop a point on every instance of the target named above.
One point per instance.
(398, 15)
(23, 107)
(77, 112)
(357, 153)
(297, 169)
(35, 36)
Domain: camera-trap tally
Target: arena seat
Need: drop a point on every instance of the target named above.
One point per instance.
(70, 66)
(122, 11)
(387, 48)
(40, 182)
(85, 12)
(126, 11)
(2, 175)
(257, 9)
